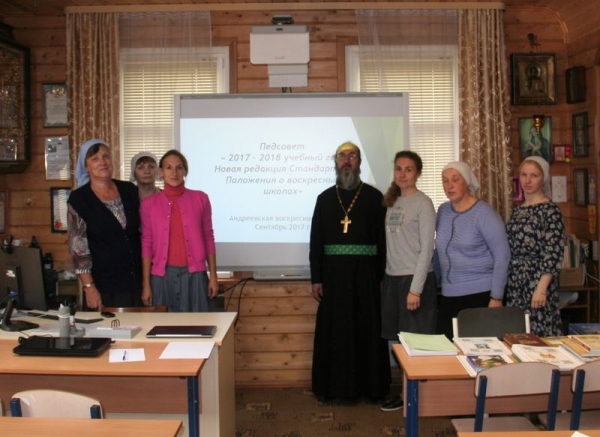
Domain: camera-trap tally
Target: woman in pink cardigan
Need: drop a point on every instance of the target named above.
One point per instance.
(178, 243)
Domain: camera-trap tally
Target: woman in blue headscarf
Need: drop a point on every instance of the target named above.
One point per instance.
(104, 231)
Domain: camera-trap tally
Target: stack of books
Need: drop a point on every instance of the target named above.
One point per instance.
(584, 328)
(556, 355)
(591, 343)
(573, 347)
(481, 353)
(426, 344)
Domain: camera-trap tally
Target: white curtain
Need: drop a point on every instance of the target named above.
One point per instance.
(416, 51)
(161, 54)
(387, 37)
(421, 45)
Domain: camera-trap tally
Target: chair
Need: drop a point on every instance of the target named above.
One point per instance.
(156, 309)
(586, 379)
(54, 403)
(490, 322)
(512, 380)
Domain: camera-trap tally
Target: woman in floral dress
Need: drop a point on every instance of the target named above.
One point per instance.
(536, 237)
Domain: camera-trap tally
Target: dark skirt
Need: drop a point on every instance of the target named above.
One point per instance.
(395, 317)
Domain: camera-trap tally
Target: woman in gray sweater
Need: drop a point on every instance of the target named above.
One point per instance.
(409, 294)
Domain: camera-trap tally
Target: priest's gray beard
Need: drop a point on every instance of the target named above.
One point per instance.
(346, 178)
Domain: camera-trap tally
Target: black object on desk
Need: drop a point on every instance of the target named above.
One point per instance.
(6, 324)
(57, 346)
(175, 331)
(53, 316)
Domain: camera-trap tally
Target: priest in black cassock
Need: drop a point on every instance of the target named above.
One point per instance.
(347, 262)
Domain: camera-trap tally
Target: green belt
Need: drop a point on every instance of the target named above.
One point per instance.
(350, 249)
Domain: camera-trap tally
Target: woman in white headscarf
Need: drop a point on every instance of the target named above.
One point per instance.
(472, 252)
(536, 235)
(104, 231)
(144, 172)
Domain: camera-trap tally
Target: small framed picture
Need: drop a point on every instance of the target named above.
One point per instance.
(58, 200)
(580, 186)
(580, 134)
(533, 79)
(534, 142)
(560, 154)
(55, 105)
(58, 158)
(575, 77)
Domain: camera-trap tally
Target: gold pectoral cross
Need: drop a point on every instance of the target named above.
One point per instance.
(345, 222)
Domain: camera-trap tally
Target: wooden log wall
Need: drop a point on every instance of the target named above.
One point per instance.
(552, 38)
(274, 332)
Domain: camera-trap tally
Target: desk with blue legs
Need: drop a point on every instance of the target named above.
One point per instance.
(439, 386)
(81, 373)
(147, 395)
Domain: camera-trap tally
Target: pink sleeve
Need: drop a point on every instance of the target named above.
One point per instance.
(207, 228)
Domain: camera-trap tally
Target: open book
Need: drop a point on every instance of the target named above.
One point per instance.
(426, 344)
(481, 346)
(556, 355)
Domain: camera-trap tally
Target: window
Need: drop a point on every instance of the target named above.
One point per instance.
(431, 80)
(149, 80)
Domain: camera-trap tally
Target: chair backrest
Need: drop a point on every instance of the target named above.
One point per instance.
(490, 322)
(54, 403)
(156, 309)
(517, 379)
(586, 378)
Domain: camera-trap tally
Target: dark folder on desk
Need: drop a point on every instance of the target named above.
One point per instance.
(62, 347)
(191, 331)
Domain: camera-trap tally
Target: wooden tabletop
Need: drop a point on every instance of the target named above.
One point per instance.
(430, 367)
(11, 363)
(50, 427)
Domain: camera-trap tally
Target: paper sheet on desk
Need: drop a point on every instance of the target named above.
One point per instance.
(126, 355)
(187, 349)
(48, 329)
(578, 434)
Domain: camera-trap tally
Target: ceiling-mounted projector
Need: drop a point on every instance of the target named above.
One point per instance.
(285, 44)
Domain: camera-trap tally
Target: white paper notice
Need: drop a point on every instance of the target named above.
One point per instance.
(126, 355)
(187, 349)
(559, 189)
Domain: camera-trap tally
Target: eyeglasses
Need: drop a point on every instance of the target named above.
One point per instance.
(345, 156)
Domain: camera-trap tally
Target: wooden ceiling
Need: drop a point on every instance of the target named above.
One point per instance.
(580, 17)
